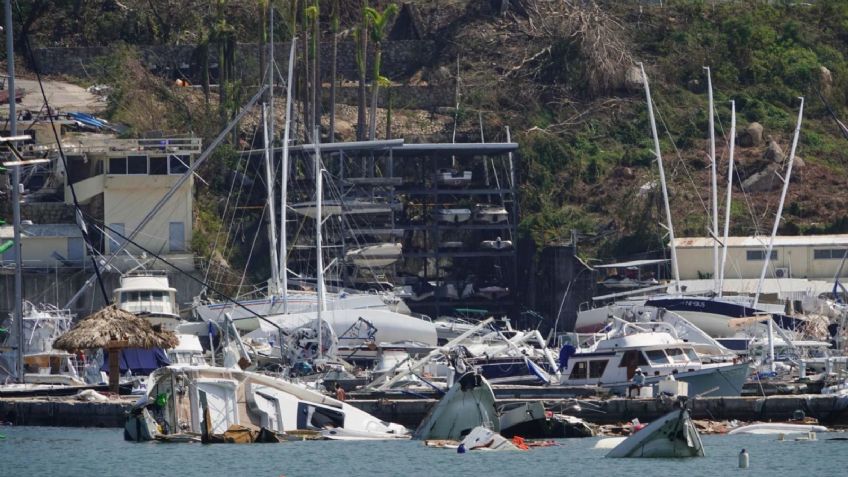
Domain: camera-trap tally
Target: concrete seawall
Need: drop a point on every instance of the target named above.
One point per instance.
(829, 410)
(64, 413)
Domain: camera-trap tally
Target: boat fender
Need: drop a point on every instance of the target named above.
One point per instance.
(743, 459)
(460, 449)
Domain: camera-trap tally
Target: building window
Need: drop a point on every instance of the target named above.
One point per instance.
(118, 165)
(115, 241)
(176, 237)
(178, 163)
(136, 164)
(829, 253)
(755, 255)
(158, 166)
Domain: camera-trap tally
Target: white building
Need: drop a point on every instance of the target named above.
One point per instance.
(45, 245)
(131, 176)
(815, 257)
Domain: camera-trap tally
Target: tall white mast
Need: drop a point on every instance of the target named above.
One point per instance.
(319, 250)
(269, 182)
(284, 185)
(714, 188)
(777, 218)
(669, 226)
(727, 201)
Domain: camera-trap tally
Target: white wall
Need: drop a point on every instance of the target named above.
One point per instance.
(128, 198)
(799, 259)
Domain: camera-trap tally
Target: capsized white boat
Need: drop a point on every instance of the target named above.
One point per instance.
(673, 435)
(777, 428)
(179, 396)
(469, 403)
(481, 438)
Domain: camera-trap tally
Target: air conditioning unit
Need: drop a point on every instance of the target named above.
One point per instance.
(781, 272)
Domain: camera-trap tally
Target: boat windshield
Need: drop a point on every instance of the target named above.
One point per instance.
(657, 356)
(676, 354)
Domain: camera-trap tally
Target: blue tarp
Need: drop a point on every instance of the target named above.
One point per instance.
(139, 361)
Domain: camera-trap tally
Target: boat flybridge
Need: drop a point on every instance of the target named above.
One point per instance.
(610, 360)
(148, 294)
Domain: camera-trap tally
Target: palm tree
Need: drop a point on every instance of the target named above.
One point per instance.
(361, 35)
(334, 28)
(315, 15)
(378, 32)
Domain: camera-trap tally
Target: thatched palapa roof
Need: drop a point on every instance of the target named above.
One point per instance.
(112, 325)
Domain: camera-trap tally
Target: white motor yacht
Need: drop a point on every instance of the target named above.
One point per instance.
(656, 349)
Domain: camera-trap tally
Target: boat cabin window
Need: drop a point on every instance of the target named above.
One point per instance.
(579, 371)
(597, 367)
(676, 355)
(657, 356)
(632, 359)
(693, 356)
(146, 300)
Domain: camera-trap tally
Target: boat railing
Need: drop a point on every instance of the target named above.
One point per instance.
(644, 327)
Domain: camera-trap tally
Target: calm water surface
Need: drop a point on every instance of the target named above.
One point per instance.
(51, 451)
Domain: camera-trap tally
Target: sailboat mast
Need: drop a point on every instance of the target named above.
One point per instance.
(319, 250)
(16, 197)
(727, 201)
(714, 188)
(269, 184)
(670, 227)
(777, 218)
(271, 70)
(284, 184)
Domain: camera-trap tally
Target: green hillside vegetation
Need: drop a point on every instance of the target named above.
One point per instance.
(557, 74)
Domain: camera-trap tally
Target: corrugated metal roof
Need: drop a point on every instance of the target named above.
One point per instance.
(840, 240)
(42, 230)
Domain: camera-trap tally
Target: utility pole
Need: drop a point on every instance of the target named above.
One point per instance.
(16, 193)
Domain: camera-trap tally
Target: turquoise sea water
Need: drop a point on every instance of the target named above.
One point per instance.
(51, 451)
